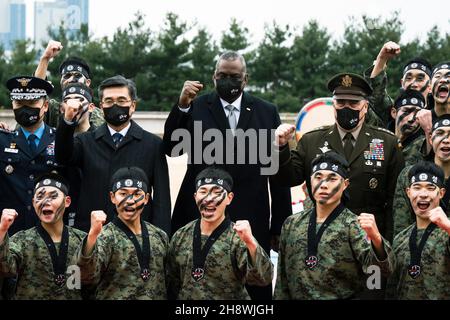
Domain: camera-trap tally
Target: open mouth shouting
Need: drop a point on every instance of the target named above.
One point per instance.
(442, 93)
(423, 205)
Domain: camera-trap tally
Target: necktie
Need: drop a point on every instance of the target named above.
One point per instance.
(32, 143)
(348, 145)
(117, 137)
(231, 117)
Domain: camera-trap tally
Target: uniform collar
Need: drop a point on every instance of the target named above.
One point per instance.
(38, 133)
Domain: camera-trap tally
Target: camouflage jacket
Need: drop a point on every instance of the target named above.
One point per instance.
(344, 255)
(53, 114)
(402, 210)
(114, 268)
(26, 256)
(228, 267)
(433, 282)
(411, 150)
(380, 102)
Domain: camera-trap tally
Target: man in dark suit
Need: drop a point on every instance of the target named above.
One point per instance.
(120, 142)
(229, 113)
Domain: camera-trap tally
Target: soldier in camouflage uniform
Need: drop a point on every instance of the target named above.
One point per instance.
(41, 257)
(323, 249)
(211, 257)
(407, 127)
(440, 141)
(72, 70)
(125, 259)
(416, 76)
(422, 251)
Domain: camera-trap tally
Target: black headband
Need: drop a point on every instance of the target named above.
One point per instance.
(417, 66)
(217, 181)
(129, 183)
(441, 123)
(77, 90)
(52, 183)
(444, 65)
(73, 67)
(325, 165)
(408, 101)
(427, 177)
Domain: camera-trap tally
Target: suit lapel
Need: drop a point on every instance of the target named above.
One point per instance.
(135, 132)
(216, 109)
(361, 143)
(246, 111)
(103, 133)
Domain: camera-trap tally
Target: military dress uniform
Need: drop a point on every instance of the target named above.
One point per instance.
(375, 160)
(228, 267)
(18, 164)
(114, 267)
(344, 254)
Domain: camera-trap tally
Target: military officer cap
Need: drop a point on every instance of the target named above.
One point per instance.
(349, 86)
(129, 177)
(28, 88)
(75, 64)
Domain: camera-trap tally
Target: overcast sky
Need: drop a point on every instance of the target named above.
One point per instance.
(107, 15)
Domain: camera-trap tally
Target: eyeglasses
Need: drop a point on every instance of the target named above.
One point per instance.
(120, 102)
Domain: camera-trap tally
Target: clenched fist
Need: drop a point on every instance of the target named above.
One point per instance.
(189, 92)
(439, 218)
(283, 134)
(98, 219)
(244, 231)
(52, 50)
(8, 217)
(389, 50)
(72, 110)
(368, 224)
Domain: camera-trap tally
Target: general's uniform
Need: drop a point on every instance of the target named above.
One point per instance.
(375, 164)
(374, 157)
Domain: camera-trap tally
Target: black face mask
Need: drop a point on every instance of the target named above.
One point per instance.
(229, 89)
(116, 115)
(27, 116)
(347, 118)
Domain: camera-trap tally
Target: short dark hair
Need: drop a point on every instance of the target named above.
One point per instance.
(427, 167)
(215, 173)
(118, 81)
(77, 61)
